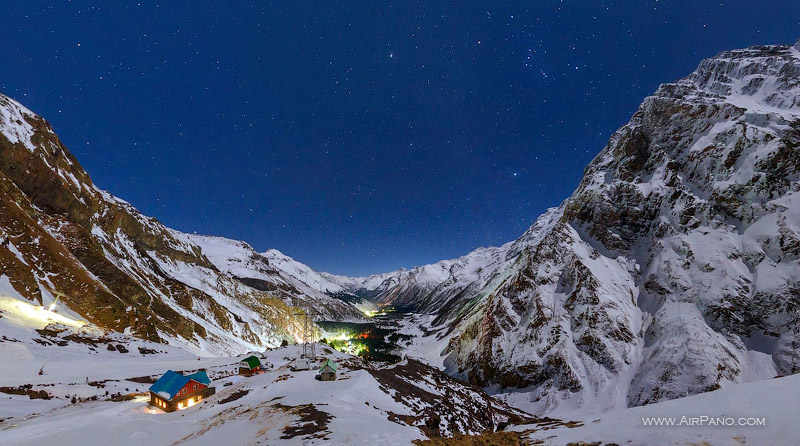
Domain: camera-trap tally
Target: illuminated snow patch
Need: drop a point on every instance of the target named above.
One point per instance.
(36, 316)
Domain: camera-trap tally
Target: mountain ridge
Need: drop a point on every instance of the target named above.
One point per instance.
(671, 270)
(65, 239)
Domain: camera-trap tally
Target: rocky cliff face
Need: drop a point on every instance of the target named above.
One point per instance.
(673, 269)
(62, 237)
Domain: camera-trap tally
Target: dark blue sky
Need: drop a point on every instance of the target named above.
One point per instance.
(356, 137)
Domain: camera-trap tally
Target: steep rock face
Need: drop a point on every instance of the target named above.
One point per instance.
(562, 323)
(673, 269)
(700, 189)
(62, 237)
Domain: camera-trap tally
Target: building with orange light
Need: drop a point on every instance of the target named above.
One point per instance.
(174, 391)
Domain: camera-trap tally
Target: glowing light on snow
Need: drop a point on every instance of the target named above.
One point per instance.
(348, 341)
(355, 349)
(378, 312)
(26, 314)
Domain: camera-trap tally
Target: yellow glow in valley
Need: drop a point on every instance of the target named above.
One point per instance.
(25, 314)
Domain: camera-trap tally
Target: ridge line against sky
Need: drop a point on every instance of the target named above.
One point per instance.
(356, 138)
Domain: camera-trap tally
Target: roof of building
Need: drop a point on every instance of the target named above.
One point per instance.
(329, 363)
(172, 382)
(251, 361)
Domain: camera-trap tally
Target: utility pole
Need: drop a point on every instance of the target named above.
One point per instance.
(309, 351)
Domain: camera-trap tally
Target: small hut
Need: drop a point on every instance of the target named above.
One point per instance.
(174, 391)
(300, 364)
(328, 371)
(249, 366)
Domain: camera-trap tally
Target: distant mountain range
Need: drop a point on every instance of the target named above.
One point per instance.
(673, 269)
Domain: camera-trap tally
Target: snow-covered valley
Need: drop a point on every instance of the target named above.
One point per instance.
(666, 285)
(87, 391)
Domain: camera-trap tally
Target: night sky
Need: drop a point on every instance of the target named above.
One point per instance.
(357, 137)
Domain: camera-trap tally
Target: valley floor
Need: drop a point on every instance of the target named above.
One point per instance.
(389, 406)
(94, 385)
(280, 406)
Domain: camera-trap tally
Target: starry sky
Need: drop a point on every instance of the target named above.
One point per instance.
(359, 136)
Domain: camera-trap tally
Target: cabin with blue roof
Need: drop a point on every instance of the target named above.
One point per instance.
(175, 391)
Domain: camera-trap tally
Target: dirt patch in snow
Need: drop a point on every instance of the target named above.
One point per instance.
(313, 423)
(234, 396)
(143, 379)
(26, 390)
(497, 439)
(487, 439)
(442, 406)
(282, 378)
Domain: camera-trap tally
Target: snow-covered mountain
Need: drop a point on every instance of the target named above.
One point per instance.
(425, 288)
(277, 274)
(63, 238)
(673, 269)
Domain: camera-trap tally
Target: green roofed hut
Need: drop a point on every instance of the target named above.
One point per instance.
(249, 366)
(327, 372)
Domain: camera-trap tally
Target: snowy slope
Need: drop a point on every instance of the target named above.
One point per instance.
(761, 413)
(90, 390)
(277, 274)
(240, 260)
